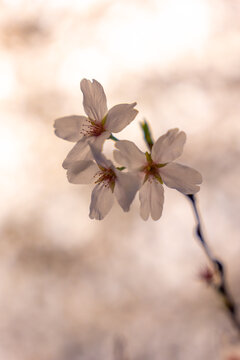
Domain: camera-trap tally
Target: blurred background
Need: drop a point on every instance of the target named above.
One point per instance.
(119, 289)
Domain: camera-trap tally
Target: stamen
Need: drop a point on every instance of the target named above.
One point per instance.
(107, 177)
(92, 128)
(151, 169)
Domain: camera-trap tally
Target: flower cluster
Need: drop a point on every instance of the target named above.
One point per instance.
(145, 172)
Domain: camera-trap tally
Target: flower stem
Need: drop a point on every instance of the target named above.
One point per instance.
(147, 134)
(113, 138)
(221, 288)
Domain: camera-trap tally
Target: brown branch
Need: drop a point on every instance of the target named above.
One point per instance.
(221, 287)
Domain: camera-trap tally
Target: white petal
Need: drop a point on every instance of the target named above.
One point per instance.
(151, 196)
(101, 202)
(69, 127)
(98, 141)
(169, 146)
(181, 178)
(82, 172)
(94, 99)
(120, 116)
(100, 158)
(129, 155)
(126, 186)
(81, 151)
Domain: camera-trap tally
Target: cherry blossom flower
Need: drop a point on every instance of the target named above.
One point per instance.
(97, 126)
(109, 182)
(156, 168)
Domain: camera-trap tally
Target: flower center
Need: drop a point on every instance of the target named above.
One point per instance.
(106, 176)
(151, 169)
(92, 128)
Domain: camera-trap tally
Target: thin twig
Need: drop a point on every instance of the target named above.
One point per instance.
(221, 288)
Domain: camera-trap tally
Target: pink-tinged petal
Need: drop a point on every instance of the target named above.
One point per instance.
(81, 151)
(82, 172)
(181, 178)
(129, 155)
(101, 202)
(151, 196)
(169, 146)
(94, 99)
(126, 186)
(99, 157)
(120, 116)
(98, 141)
(69, 127)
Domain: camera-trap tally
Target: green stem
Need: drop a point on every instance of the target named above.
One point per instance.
(113, 138)
(147, 134)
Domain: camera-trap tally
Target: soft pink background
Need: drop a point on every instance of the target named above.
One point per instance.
(122, 288)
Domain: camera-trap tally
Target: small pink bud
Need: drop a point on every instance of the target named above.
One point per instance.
(206, 275)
